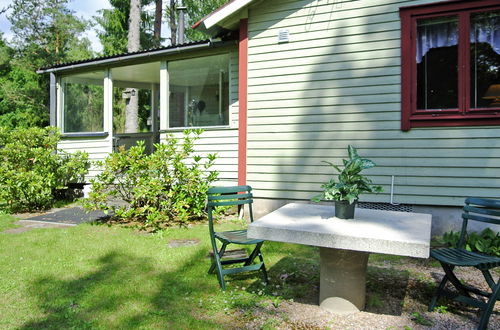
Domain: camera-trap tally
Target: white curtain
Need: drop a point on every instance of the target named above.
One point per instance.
(445, 34)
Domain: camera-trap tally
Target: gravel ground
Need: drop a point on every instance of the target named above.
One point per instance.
(397, 296)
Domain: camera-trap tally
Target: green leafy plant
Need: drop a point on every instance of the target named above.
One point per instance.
(419, 319)
(350, 182)
(165, 187)
(487, 241)
(33, 171)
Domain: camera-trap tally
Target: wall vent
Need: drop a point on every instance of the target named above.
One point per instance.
(283, 36)
(386, 206)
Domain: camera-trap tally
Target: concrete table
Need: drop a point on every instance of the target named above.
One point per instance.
(345, 244)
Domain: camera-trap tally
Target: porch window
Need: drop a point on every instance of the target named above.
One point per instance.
(199, 92)
(83, 102)
(451, 64)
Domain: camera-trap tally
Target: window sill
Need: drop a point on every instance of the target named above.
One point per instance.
(206, 128)
(452, 121)
(84, 135)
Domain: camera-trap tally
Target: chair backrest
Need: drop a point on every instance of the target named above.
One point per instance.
(229, 196)
(479, 209)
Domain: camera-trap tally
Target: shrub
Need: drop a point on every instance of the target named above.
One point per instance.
(33, 170)
(165, 187)
(487, 241)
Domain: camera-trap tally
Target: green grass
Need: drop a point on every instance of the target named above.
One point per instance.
(99, 277)
(6, 222)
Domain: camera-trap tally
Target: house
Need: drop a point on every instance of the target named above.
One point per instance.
(414, 85)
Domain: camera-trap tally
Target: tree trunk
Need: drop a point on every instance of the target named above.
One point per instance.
(172, 21)
(158, 16)
(134, 43)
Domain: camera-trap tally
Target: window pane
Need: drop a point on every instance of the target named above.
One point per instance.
(485, 59)
(122, 96)
(199, 92)
(437, 63)
(83, 102)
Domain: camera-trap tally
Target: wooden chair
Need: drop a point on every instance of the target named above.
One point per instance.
(475, 209)
(228, 196)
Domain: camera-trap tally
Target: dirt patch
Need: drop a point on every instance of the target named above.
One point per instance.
(398, 293)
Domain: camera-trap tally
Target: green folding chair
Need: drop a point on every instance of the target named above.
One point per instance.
(475, 209)
(228, 196)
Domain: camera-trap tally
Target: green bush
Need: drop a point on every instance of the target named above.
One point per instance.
(165, 187)
(33, 170)
(487, 241)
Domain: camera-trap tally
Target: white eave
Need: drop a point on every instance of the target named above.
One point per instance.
(224, 12)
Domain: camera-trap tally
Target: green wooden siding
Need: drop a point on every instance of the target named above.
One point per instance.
(337, 82)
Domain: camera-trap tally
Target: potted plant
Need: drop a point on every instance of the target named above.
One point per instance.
(350, 184)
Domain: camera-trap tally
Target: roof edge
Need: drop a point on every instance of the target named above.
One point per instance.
(121, 58)
(222, 13)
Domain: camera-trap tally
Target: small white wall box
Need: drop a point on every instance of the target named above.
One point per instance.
(283, 35)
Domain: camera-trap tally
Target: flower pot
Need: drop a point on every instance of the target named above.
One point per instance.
(344, 210)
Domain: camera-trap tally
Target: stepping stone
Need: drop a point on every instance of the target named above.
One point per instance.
(28, 225)
(183, 242)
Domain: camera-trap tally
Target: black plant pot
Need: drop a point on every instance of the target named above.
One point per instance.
(344, 210)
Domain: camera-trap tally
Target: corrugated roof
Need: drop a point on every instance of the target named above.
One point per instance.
(128, 56)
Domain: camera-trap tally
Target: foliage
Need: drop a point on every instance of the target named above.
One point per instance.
(159, 189)
(45, 33)
(33, 170)
(351, 183)
(196, 11)
(46, 30)
(487, 241)
(22, 97)
(114, 27)
(419, 319)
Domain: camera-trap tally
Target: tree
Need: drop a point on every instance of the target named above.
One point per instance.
(46, 30)
(46, 33)
(196, 10)
(21, 98)
(134, 44)
(158, 18)
(113, 33)
(172, 21)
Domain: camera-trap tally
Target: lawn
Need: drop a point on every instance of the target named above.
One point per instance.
(101, 277)
(95, 276)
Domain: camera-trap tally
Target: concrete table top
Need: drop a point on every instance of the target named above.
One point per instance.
(374, 231)
(345, 244)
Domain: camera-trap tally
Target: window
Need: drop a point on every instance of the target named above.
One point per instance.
(199, 92)
(451, 64)
(83, 103)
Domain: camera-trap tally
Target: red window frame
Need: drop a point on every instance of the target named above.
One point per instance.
(463, 115)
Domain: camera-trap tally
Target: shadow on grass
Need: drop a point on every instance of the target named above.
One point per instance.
(386, 290)
(113, 296)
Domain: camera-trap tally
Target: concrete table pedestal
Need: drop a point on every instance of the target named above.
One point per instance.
(345, 244)
(342, 280)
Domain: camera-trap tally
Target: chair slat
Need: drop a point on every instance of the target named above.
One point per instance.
(232, 196)
(475, 217)
(482, 210)
(226, 190)
(230, 203)
(487, 202)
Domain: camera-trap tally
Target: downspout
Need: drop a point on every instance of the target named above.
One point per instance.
(242, 96)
